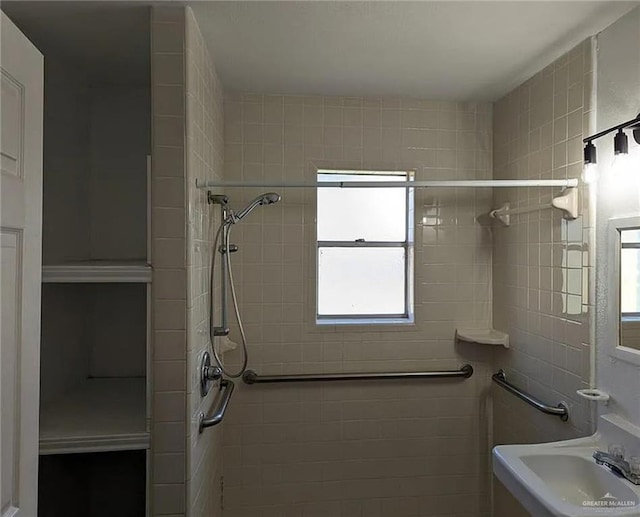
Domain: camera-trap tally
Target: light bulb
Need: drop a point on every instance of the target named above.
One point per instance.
(590, 173)
(622, 166)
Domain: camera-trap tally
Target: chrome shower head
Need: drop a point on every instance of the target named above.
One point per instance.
(263, 199)
(269, 198)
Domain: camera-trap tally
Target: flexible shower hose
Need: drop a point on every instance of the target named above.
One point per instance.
(227, 253)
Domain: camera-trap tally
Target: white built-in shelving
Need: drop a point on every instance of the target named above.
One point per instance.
(96, 275)
(98, 271)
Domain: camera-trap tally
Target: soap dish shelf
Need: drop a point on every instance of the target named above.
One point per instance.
(483, 336)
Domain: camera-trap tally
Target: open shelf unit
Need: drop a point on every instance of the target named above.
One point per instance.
(99, 415)
(94, 359)
(95, 415)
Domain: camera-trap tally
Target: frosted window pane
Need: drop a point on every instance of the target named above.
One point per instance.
(367, 281)
(630, 280)
(630, 236)
(347, 214)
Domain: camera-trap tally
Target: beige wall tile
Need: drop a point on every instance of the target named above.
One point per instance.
(168, 69)
(168, 245)
(537, 281)
(169, 253)
(167, 36)
(168, 468)
(168, 131)
(168, 407)
(298, 442)
(169, 437)
(168, 100)
(169, 499)
(205, 151)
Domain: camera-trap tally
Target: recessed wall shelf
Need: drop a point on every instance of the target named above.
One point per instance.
(483, 336)
(98, 271)
(100, 415)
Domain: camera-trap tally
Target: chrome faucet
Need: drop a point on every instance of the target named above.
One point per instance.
(614, 459)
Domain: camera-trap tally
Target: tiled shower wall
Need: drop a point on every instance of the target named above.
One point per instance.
(542, 268)
(187, 145)
(618, 66)
(169, 260)
(401, 448)
(205, 151)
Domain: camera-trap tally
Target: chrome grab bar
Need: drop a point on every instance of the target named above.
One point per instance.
(560, 410)
(251, 377)
(226, 389)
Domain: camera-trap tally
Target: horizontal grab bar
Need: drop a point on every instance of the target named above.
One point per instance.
(560, 410)
(226, 389)
(251, 377)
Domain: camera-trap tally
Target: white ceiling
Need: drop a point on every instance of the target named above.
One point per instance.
(441, 50)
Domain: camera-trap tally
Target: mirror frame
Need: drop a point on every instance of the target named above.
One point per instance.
(616, 225)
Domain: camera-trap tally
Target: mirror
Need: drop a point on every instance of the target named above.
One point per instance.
(629, 278)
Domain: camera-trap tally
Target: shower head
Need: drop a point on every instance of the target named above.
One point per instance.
(263, 199)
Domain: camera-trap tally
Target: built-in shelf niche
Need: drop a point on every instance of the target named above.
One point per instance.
(94, 367)
(97, 415)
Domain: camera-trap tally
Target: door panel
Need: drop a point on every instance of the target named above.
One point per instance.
(21, 256)
(10, 330)
(12, 131)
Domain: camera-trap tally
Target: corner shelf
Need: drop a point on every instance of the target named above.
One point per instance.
(485, 336)
(97, 271)
(99, 415)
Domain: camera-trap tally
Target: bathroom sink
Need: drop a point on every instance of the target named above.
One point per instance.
(561, 479)
(575, 479)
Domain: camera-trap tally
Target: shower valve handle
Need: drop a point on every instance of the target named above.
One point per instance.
(208, 374)
(212, 373)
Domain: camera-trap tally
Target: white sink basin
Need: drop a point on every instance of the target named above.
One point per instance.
(561, 479)
(575, 479)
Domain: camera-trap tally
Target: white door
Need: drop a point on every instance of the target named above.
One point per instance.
(21, 252)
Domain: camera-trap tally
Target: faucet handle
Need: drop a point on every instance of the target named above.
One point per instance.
(634, 465)
(617, 451)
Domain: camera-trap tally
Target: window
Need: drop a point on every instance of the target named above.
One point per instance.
(630, 274)
(365, 249)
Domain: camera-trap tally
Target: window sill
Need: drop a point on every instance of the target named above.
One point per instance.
(367, 322)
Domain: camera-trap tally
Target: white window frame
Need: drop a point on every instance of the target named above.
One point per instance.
(629, 316)
(407, 316)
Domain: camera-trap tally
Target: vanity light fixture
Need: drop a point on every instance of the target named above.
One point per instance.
(620, 143)
(620, 146)
(590, 172)
(620, 166)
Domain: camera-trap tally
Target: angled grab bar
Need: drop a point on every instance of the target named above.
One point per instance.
(251, 377)
(226, 389)
(560, 410)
